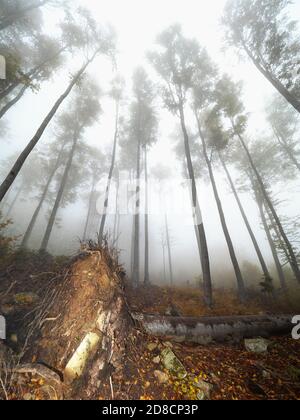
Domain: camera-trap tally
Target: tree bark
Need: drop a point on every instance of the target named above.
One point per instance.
(271, 243)
(116, 231)
(136, 250)
(36, 213)
(147, 274)
(206, 330)
(61, 189)
(266, 197)
(9, 20)
(245, 218)
(11, 103)
(13, 203)
(275, 228)
(169, 251)
(110, 175)
(33, 142)
(274, 81)
(286, 148)
(204, 255)
(236, 267)
(89, 209)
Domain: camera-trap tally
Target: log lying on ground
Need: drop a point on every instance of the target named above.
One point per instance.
(219, 329)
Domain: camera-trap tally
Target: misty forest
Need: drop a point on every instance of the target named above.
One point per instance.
(149, 200)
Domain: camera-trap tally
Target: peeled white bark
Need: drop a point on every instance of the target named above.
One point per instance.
(76, 365)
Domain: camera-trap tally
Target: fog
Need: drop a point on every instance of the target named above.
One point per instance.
(137, 24)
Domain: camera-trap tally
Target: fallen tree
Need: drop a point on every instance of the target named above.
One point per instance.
(205, 330)
(78, 333)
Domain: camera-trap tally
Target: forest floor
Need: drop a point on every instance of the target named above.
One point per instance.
(228, 371)
(189, 302)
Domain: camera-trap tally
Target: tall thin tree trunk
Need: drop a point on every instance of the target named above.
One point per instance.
(33, 142)
(147, 275)
(275, 228)
(282, 142)
(36, 213)
(9, 20)
(169, 250)
(271, 243)
(115, 231)
(164, 261)
(204, 256)
(110, 175)
(59, 196)
(11, 103)
(274, 81)
(234, 260)
(266, 197)
(136, 252)
(13, 203)
(91, 200)
(245, 218)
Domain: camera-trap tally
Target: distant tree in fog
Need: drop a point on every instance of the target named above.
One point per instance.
(96, 43)
(161, 174)
(273, 171)
(82, 113)
(28, 181)
(263, 30)
(177, 62)
(34, 59)
(23, 12)
(222, 156)
(140, 132)
(285, 123)
(211, 136)
(232, 109)
(116, 94)
(96, 167)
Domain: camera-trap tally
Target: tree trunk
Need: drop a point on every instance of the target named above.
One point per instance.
(61, 189)
(271, 242)
(13, 203)
(31, 74)
(274, 81)
(266, 197)
(110, 175)
(164, 261)
(147, 275)
(236, 267)
(245, 218)
(115, 231)
(277, 233)
(206, 330)
(32, 223)
(11, 103)
(169, 251)
(33, 142)
(204, 256)
(136, 250)
(286, 148)
(9, 20)
(89, 209)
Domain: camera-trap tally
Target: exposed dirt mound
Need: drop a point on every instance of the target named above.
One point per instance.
(85, 299)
